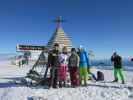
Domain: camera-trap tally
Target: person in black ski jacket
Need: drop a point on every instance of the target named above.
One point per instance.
(117, 62)
(53, 62)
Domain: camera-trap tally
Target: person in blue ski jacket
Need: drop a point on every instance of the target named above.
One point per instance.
(83, 65)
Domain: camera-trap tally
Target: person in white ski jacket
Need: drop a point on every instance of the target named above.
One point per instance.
(63, 62)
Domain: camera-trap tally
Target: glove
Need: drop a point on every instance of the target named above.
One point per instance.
(49, 65)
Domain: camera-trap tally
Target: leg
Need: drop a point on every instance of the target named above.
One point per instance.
(62, 75)
(115, 75)
(85, 75)
(60, 84)
(55, 78)
(51, 76)
(64, 83)
(88, 70)
(70, 70)
(121, 75)
(80, 74)
(73, 77)
(76, 75)
(65, 74)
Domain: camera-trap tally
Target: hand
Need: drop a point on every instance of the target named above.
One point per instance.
(49, 65)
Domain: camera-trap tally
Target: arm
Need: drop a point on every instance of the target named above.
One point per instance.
(78, 59)
(112, 58)
(49, 59)
(87, 59)
(68, 63)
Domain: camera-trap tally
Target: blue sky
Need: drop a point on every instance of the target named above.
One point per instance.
(99, 25)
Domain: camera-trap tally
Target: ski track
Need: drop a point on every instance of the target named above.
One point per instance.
(94, 91)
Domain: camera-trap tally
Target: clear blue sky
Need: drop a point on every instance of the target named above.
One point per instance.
(99, 25)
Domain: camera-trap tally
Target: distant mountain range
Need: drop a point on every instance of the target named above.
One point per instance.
(107, 62)
(99, 63)
(6, 56)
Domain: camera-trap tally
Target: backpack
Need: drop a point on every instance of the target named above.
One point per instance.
(100, 76)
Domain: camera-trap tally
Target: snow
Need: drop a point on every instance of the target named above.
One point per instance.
(93, 91)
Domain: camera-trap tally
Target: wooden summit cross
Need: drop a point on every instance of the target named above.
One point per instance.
(59, 20)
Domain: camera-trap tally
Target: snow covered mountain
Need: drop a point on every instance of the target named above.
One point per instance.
(93, 91)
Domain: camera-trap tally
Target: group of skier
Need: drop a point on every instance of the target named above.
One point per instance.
(77, 64)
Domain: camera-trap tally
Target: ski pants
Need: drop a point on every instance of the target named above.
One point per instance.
(74, 76)
(83, 74)
(54, 77)
(118, 71)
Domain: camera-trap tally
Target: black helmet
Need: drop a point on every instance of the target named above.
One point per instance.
(56, 44)
(73, 50)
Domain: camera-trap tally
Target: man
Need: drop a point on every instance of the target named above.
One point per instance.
(53, 62)
(117, 61)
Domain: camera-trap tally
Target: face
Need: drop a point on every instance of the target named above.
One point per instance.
(115, 54)
(64, 50)
(81, 49)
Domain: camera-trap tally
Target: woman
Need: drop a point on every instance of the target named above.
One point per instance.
(73, 65)
(63, 61)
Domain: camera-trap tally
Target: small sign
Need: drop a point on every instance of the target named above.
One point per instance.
(30, 48)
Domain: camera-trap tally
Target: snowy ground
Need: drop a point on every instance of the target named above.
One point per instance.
(94, 91)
